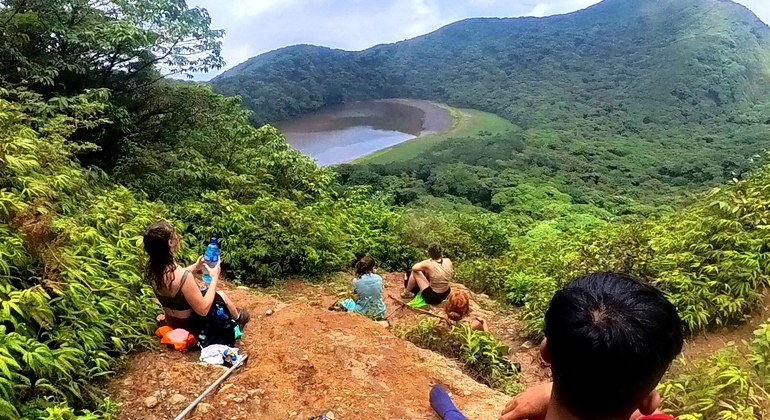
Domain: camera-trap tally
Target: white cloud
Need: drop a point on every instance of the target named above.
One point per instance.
(540, 10)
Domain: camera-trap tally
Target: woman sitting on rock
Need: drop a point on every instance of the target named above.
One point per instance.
(432, 277)
(185, 305)
(367, 286)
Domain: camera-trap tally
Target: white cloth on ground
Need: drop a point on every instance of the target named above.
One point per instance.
(215, 354)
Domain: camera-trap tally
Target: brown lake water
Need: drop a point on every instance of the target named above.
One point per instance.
(343, 133)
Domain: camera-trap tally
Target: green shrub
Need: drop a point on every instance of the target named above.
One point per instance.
(483, 275)
(729, 385)
(430, 335)
(482, 355)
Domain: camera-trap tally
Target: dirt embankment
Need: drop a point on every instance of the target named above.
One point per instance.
(305, 360)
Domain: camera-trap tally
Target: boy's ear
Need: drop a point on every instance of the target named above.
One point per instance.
(544, 353)
(650, 404)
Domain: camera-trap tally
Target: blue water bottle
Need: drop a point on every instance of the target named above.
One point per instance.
(210, 259)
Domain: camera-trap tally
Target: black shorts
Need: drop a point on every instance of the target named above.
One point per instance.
(432, 298)
(428, 295)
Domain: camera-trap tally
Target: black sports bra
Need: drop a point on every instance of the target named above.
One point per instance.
(178, 301)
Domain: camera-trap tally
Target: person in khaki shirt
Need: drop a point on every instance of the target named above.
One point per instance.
(432, 276)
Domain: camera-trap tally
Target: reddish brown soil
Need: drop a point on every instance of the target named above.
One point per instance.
(505, 326)
(305, 360)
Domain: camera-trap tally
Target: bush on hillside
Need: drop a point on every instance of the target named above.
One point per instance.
(729, 385)
(483, 356)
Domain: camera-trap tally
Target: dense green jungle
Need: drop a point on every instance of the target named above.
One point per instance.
(641, 129)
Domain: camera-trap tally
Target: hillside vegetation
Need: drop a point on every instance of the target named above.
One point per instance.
(95, 144)
(639, 100)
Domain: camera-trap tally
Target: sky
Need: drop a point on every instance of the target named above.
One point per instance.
(256, 26)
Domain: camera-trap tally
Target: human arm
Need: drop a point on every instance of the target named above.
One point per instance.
(197, 267)
(479, 324)
(421, 266)
(200, 303)
(532, 404)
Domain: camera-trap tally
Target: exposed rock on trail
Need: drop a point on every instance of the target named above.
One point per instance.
(304, 360)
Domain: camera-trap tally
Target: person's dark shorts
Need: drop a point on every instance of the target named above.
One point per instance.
(432, 298)
(428, 295)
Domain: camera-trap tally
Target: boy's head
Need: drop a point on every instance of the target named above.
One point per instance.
(435, 251)
(609, 339)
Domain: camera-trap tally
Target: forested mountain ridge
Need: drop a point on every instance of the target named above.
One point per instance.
(626, 63)
(625, 100)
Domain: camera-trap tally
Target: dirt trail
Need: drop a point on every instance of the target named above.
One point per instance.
(706, 344)
(305, 360)
(502, 321)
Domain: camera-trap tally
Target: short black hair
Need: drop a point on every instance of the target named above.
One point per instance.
(611, 337)
(435, 251)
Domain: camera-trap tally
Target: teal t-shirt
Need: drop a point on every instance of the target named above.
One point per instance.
(369, 291)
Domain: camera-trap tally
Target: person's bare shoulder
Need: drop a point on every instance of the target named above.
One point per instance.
(422, 265)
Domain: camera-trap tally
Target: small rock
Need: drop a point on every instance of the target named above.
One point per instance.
(230, 397)
(371, 405)
(527, 345)
(466, 393)
(128, 382)
(223, 403)
(237, 400)
(330, 415)
(337, 398)
(292, 414)
(225, 388)
(177, 399)
(203, 408)
(269, 312)
(242, 288)
(150, 402)
(385, 324)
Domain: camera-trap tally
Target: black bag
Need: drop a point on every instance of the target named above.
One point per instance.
(217, 327)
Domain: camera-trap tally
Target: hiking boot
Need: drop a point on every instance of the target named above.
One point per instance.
(407, 295)
(243, 318)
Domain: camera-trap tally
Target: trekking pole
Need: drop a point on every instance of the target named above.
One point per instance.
(213, 386)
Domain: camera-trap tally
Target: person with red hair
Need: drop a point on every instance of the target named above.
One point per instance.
(458, 308)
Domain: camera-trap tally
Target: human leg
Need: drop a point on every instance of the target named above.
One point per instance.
(417, 280)
(230, 305)
(241, 316)
(443, 405)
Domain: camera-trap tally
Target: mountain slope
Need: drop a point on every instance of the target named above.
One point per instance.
(620, 63)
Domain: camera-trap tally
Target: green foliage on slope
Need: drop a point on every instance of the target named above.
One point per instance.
(731, 384)
(73, 300)
(94, 147)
